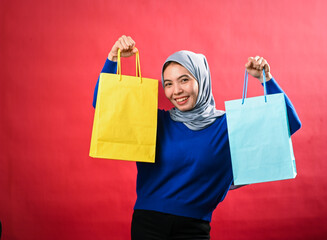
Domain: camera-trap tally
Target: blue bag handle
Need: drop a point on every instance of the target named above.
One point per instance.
(245, 86)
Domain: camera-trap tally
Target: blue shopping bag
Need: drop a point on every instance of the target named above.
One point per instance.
(259, 138)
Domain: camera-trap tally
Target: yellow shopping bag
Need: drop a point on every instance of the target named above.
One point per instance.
(125, 119)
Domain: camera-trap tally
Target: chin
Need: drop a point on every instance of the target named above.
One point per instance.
(184, 109)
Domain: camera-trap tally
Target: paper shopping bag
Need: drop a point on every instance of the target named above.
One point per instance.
(125, 119)
(259, 137)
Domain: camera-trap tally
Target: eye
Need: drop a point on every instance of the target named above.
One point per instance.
(168, 84)
(184, 79)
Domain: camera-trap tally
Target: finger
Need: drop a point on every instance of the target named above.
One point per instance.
(257, 62)
(260, 63)
(122, 44)
(263, 63)
(117, 46)
(267, 67)
(249, 63)
(127, 42)
(260, 60)
(131, 41)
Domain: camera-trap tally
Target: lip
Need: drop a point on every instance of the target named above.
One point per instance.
(183, 102)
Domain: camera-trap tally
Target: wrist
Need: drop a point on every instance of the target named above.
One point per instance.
(112, 58)
(268, 77)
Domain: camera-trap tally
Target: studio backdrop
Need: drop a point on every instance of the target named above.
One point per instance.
(51, 54)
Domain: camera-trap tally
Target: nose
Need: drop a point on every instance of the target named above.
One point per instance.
(177, 89)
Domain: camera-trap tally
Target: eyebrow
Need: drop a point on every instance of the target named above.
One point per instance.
(184, 75)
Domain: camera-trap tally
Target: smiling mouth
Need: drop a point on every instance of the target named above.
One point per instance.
(181, 100)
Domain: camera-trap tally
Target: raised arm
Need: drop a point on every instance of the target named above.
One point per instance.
(254, 67)
(127, 48)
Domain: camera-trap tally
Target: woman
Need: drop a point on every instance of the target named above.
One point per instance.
(192, 174)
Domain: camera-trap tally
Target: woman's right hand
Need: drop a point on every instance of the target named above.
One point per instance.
(126, 46)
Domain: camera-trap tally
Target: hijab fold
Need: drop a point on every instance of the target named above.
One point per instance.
(204, 112)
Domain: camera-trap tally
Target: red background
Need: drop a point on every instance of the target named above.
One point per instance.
(51, 53)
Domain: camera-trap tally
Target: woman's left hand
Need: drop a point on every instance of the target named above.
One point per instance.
(255, 65)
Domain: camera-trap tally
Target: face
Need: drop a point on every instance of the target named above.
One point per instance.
(180, 87)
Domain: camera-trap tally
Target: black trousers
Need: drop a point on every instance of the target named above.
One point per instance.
(152, 225)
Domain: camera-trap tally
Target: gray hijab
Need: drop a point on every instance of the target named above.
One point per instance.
(204, 112)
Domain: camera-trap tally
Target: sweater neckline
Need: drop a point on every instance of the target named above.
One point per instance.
(184, 128)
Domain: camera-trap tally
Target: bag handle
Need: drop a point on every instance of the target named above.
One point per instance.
(138, 66)
(245, 86)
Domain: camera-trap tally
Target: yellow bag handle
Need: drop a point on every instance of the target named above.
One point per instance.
(138, 65)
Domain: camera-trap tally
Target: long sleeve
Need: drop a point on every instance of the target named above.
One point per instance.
(293, 118)
(109, 67)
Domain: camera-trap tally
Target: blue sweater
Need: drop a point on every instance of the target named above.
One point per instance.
(193, 170)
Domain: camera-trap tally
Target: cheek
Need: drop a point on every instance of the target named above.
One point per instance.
(195, 90)
(166, 90)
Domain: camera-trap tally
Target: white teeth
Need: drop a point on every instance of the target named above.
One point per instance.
(181, 99)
